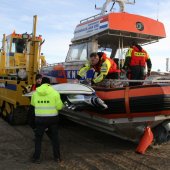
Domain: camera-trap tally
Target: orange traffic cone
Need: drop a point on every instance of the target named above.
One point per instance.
(145, 141)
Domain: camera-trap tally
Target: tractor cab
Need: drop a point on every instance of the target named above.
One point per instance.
(20, 61)
(14, 46)
(15, 43)
(15, 55)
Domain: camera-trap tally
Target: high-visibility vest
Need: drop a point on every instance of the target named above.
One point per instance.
(138, 58)
(104, 67)
(47, 104)
(108, 61)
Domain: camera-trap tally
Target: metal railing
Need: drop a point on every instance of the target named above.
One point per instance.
(143, 81)
(90, 18)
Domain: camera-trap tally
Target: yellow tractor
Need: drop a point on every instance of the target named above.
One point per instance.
(20, 61)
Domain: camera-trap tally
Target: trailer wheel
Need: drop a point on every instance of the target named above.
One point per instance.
(14, 116)
(161, 134)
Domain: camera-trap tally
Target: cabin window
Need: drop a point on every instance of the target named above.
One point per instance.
(121, 53)
(18, 45)
(77, 52)
(108, 51)
(13, 47)
(114, 51)
(8, 46)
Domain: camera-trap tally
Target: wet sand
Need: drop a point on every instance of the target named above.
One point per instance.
(82, 149)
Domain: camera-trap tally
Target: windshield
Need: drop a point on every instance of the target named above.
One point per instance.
(114, 52)
(77, 52)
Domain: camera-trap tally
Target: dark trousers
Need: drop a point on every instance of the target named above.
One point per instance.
(31, 120)
(136, 73)
(31, 116)
(39, 132)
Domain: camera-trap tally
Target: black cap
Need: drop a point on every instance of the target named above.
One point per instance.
(100, 54)
(94, 54)
(45, 80)
(134, 43)
(38, 76)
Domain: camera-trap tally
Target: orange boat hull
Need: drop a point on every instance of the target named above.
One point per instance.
(139, 101)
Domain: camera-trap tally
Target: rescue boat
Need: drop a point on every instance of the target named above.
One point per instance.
(129, 109)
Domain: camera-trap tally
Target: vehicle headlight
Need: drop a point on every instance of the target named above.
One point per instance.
(22, 73)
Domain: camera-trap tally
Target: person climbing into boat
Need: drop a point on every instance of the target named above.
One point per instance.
(135, 64)
(103, 67)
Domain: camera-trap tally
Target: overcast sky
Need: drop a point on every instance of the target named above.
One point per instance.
(57, 20)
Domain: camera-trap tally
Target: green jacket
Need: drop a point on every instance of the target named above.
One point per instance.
(46, 101)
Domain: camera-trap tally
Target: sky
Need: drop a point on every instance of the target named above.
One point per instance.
(57, 20)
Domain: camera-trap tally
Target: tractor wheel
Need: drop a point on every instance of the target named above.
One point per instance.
(4, 113)
(15, 116)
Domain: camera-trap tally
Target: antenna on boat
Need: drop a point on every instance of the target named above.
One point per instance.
(157, 12)
(121, 4)
(112, 6)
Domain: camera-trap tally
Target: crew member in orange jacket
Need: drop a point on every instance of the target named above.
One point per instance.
(135, 64)
(100, 63)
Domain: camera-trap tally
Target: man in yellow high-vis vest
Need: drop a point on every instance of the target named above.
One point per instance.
(101, 64)
(47, 103)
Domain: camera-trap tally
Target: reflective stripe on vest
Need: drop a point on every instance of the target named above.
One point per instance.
(46, 111)
(82, 72)
(139, 54)
(46, 115)
(113, 67)
(46, 108)
(138, 58)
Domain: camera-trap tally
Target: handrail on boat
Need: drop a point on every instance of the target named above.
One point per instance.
(89, 18)
(149, 81)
